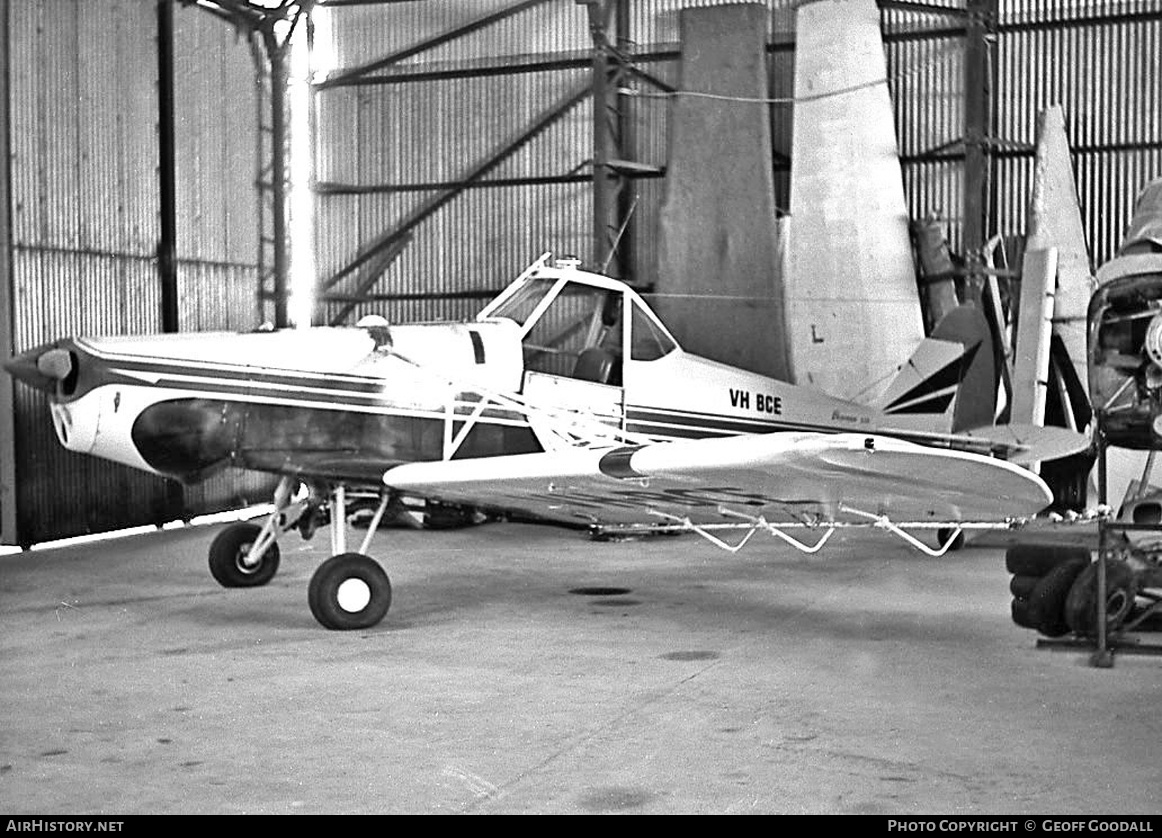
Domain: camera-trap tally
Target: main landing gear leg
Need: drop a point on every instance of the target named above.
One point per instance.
(350, 590)
(245, 555)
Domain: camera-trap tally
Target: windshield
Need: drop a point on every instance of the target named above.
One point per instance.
(524, 301)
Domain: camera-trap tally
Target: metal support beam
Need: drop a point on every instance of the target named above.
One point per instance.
(272, 62)
(8, 520)
(609, 21)
(354, 74)
(604, 139)
(979, 73)
(1101, 656)
(372, 271)
(623, 245)
(915, 6)
(276, 55)
(331, 188)
(167, 247)
(167, 263)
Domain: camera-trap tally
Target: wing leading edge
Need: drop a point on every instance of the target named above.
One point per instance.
(783, 476)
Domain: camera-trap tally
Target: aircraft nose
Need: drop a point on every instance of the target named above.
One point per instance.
(43, 367)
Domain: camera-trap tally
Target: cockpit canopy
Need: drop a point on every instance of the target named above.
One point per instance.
(574, 324)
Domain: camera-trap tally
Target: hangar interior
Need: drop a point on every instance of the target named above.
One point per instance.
(196, 165)
(188, 165)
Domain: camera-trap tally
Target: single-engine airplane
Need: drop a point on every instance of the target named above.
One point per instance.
(566, 399)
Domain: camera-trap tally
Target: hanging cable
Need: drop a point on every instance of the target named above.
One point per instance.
(945, 55)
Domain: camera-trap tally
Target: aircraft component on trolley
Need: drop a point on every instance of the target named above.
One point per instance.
(1125, 332)
(1060, 590)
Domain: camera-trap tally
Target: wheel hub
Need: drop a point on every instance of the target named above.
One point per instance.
(242, 560)
(353, 595)
(1116, 604)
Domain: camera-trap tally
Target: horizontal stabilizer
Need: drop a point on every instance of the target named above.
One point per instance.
(1033, 443)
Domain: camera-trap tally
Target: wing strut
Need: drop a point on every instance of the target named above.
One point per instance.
(954, 529)
(572, 427)
(885, 523)
(756, 524)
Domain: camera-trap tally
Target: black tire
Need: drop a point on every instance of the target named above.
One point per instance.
(1081, 604)
(1020, 612)
(326, 599)
(228, 550)
(1047, 600)
(942, 535)
(1039, 559)
(1022, 586)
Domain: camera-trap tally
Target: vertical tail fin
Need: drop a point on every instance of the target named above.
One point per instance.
(950, 382)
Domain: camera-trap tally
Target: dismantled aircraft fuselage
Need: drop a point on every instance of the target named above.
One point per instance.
(1125, 333)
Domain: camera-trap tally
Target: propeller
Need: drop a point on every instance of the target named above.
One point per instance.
(42, 368)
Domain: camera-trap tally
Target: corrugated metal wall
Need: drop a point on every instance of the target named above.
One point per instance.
(429, 121)
(1098, 58)
(84, 231)
(926, 71)
(85, 224)
(395, 144)
(216, 112)
(1101, 63)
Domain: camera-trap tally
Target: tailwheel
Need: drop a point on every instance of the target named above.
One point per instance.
(235, 563)
(349, 591)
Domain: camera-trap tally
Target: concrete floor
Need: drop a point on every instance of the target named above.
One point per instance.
(869, 679)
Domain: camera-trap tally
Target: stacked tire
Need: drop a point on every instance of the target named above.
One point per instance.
(1054, 589)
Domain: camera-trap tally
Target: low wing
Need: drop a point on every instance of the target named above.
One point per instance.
(785, 477)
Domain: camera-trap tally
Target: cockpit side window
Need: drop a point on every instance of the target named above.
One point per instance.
(578, 335)
(648, 341)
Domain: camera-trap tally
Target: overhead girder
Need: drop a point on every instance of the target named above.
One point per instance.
(612, 201)
(260, 22)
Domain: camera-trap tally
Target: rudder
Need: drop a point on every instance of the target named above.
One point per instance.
(950, 382)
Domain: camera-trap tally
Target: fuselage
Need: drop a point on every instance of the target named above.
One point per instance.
(323, 401)
(562, 357)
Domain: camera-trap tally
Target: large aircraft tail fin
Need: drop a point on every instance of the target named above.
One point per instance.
(950, 382)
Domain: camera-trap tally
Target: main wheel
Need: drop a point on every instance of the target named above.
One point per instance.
(349, 591)
(1081, 604)
(228, 553)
